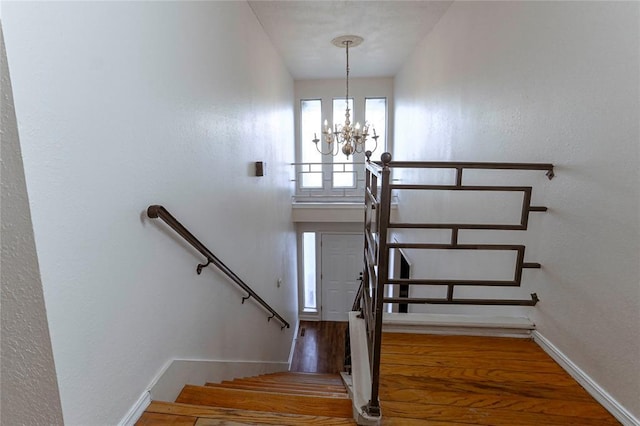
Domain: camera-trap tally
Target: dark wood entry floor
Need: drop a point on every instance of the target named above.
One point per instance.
(319, 347)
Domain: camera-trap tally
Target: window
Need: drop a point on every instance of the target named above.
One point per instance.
(375, 113)
(328, 178)
(309, 271)
(310, 118)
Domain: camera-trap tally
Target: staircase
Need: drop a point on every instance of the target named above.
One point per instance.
(269, 399)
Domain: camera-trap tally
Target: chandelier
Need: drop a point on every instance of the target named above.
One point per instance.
(345, 137)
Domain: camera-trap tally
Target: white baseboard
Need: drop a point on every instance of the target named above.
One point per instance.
(458, 324)
(600, 395)
(136, 411)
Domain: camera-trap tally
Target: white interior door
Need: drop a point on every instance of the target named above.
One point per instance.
(341, 265)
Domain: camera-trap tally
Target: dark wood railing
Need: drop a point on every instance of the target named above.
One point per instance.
(371, 298)
(157, 211)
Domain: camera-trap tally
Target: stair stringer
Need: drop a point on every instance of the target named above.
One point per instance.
(358, 384)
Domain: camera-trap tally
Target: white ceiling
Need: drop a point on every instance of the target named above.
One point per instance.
(302, 32)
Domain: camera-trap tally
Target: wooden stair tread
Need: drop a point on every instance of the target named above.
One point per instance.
(153, 419)
(266, 401)
(298, 380)
(283, 384)
(330, 376)
(330, 379)
(276, 389)
(235, 416)
(339, 384)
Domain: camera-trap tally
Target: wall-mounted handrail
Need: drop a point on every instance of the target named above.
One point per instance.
(157, 211)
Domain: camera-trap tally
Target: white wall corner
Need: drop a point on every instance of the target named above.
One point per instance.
(136, 410)
(590, 385)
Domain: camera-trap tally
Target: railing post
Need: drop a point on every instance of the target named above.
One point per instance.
(373, 407)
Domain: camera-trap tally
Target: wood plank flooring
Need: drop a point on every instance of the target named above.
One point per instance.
(463, 380)
(319, 347)
(428, 380)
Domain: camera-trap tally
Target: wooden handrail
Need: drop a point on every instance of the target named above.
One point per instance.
(157, 211)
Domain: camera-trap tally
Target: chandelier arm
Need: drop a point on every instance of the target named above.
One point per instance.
(375, 138)
(325, 153)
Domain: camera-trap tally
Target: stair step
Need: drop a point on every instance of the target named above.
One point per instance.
(265, 401)
(289, 385)
(300, 374)
(228, 416)
(277, 389)
(154, 419)
(310, 378)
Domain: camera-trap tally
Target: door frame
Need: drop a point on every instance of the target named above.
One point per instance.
(318, 228)
(319, 281)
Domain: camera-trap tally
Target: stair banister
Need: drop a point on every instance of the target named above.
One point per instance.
(157, 211)
(371, 298)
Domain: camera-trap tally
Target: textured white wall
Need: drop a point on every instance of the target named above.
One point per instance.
(27, 369)
(547, 82)
(121, 105)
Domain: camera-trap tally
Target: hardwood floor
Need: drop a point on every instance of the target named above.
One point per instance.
(319, 347)
(428, 380)
(463, 380)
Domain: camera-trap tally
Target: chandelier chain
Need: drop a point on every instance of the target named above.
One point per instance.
(347, 43)
(345, 137)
